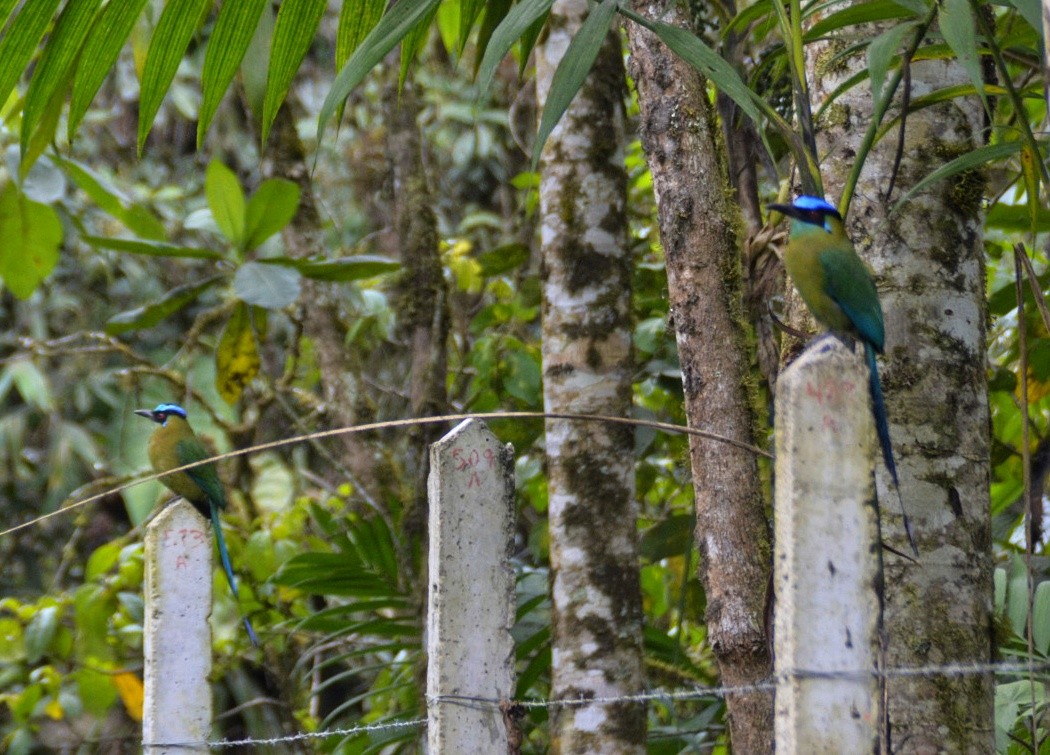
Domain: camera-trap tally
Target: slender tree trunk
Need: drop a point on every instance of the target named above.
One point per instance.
(929, 265)
(698, 230)
(597, 616)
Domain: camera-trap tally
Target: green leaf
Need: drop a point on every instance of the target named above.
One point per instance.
(270, 209)
(32, 233)
(40, 632)
(671, 537)
(1041, 618)
(152, 248)
(852, 15)
(573, 69)
(233, 32)
(237, 358)
(171, 37)
(297, 22)
(502, 259)
(390, 30)
(510, 29)
(20, 40)
(960, 32)
(256, 62)
(97, 690)
(881, 52)
(52, 71)
(413, 43)
(226, 200)
(356, 20)
(495, 12)
(970, 161)
(101, 51)
(339, 269)
(468, 14)
(151, 314)
(136, 218)
(267, 286)
(1031, 11)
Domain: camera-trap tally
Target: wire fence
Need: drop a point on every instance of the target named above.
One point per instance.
(657, 695)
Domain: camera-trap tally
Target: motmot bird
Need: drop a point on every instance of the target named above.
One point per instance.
(837, 287)
(174, 444)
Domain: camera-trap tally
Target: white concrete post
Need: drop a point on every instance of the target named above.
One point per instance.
(177, 642)
(827, 558)
(471, 607)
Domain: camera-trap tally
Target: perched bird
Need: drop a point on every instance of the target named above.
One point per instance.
(174, 444)
(838, 289)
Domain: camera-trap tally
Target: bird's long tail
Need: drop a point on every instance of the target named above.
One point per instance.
(224, 556)
(882, 428)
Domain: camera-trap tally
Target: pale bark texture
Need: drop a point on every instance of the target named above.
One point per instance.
(596, 597)
(929, 269)
(699, 232)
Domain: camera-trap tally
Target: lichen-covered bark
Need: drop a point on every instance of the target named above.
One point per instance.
(928, 260)
(597, 637)
(699, 233)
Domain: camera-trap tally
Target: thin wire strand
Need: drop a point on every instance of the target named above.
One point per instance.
(666, 426)
(675, 695)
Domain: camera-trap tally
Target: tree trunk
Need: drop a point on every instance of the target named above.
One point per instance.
(698, 230)
(929, 266)
(587, 361)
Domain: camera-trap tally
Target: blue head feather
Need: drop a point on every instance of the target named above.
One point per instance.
(814, 204)
(170, 409)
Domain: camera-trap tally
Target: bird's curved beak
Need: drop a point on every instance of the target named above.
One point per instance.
(147, 413)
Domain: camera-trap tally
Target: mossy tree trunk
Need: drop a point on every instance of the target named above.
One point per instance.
(587, 360)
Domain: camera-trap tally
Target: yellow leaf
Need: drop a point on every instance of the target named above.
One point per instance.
(54, 710)
(131, 693)
(237, 359)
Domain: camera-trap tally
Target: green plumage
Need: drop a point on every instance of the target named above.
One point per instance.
(838, 288)
(174, 444)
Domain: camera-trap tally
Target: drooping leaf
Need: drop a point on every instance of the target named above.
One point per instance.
(267, 286)
(149, 315)
(960, 32)
(20, 40)
(152, 248)
(103, 46)
(339, 269)
(880, 54)
(510, 29)
(271, 208)
(296, 26)
(226, 200)
(494, 13)
(1031, 11)
(237, 358)
(413, 43)
(40, 632)
(256, 62)
(51, 73)
(573, 69)
(43, 135)
(970, 161)
(858, 13)
(1041, 618)
(233, 32)
(171, 37)
(390, 30)
(31, 234)
(356, 20)
(137, 218)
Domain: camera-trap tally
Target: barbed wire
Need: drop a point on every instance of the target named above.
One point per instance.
(675, 695)
(390, 424)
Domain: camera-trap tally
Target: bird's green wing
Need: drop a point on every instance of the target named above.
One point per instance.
(849, 284)
(189, 450)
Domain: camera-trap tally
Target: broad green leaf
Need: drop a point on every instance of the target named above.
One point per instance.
(32, 233)
(503, 258)
(30, 383)
(226, 200)
(339, 269)
(960, 32)
(137, 218)
(705, 60)
(390, 30)
(20, 40)
(96, 690)
(356, 20)
(510, 29)
(237, 358)
(151, 314)
(881, 52)
(296, 26)
(53, 69)
(970, 161)
(1041, 618)
(233, 32)
(573, 69)
(152, 248)
(45, 182)
(101, 51)
(40, 632)
(267, 286)
(271, 208)
(171, 37)
(1031, 11)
